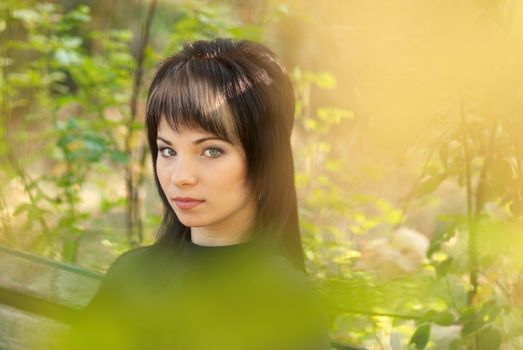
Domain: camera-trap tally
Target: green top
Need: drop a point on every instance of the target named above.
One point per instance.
(227, 297)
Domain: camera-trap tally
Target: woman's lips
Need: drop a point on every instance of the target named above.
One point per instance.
(187, 203)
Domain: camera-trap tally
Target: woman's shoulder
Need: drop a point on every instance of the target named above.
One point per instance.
(129, 258)
(128, 262)
(280, 269)
(126, 270)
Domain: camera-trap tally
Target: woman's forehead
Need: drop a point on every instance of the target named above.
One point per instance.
(182, 126)
(165, 129)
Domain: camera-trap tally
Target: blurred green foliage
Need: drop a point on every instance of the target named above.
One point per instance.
(69, 140)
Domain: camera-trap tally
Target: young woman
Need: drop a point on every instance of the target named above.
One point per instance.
(227, 271)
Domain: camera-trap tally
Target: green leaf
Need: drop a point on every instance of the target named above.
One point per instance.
(443, 268)
(119, 157)
(137, 125)
(420, 338)
(80, 14)
(108, 204)
(430, 185)
(66, 57)
(444, 318)
(472, 325)
(440, 238)
(489, 339)
(21, 208)
(333, 116)
(428, 316)
(325, 81)
(28, 16)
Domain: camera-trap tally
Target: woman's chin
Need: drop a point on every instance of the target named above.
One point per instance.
(189, 222)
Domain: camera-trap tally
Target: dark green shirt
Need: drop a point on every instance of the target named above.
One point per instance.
(228, 297)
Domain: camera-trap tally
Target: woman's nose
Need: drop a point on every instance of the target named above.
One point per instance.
(183, 173)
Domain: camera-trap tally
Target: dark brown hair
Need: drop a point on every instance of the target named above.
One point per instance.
(239, 91)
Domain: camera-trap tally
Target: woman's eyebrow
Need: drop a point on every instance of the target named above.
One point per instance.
(196, 142)
(164, 140)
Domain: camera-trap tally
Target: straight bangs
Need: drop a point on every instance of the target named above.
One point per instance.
(191, 95)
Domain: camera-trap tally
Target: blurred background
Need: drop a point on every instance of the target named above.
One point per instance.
(408, 152)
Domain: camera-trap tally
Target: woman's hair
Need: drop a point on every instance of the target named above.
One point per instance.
(239, 91)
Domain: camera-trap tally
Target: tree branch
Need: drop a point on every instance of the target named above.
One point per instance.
(134, 223)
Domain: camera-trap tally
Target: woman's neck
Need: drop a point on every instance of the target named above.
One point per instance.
(235, 229)
(203, 237)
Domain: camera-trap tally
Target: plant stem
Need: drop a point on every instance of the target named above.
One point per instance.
(27, 182)
(472, 245)
(480, 187)
(133, 170)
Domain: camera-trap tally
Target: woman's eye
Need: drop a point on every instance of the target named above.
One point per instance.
(167, 152)
(213, 152)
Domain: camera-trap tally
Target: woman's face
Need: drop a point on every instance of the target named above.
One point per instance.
(204, 179)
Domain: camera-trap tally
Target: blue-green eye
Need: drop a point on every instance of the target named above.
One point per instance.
(213, 152)
(167, 152)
